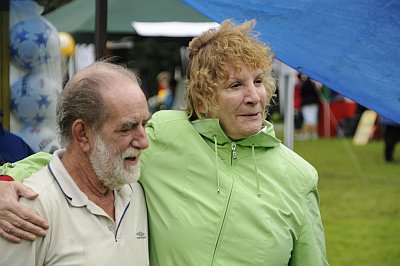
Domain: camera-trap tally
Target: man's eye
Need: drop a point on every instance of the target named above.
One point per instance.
(128, 129)
(125, 131)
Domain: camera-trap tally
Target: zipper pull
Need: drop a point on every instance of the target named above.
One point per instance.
(234, 150)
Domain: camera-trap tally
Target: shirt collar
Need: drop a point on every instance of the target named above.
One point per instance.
(72, 192)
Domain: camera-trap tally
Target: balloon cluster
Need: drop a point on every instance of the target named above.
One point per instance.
(36, 68)
(32, 43)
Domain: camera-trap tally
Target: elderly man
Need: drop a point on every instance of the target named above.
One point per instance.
(89, 192)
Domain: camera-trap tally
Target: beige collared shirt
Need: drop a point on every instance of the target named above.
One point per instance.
(80, 232)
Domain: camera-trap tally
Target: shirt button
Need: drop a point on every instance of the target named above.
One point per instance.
(111, 228)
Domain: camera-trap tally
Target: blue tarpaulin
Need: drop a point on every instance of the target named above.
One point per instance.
(353, 47)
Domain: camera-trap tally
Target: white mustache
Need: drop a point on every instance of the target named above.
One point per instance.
(131, 152)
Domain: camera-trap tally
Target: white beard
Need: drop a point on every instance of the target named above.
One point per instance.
(109, 165)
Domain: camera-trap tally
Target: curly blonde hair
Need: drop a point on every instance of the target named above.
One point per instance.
(212, 54)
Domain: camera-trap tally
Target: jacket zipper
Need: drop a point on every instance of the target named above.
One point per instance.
(233, 148)
(228, 202)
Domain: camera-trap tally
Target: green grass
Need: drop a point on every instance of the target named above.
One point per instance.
(360, 200)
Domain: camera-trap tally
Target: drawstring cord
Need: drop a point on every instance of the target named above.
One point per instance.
(216, 161)
(256, 170)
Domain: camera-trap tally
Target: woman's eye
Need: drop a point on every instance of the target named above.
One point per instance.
(258, 81)
(235, 85)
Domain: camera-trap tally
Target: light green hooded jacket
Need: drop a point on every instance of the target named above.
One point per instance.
(212, 201)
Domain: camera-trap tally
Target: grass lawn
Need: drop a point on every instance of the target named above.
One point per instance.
(360, 200)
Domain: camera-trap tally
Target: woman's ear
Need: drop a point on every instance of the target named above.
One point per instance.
(202, 108)
(80, 134)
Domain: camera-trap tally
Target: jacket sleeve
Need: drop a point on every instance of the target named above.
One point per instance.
(309, 249)
(26, 167)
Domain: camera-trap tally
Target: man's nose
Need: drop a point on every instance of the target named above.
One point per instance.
(140, 140)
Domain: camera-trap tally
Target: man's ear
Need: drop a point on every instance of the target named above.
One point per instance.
(80, 134)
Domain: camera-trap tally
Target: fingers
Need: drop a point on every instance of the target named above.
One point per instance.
(24, 191)
(27, 220)
(16, 220)
(14, 234)
(7, 236)
(13, 227)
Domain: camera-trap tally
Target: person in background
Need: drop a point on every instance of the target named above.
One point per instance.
(310, 101)
(298, 117)
(220, 188)
(391, 135)
(12, 147)
(165, 96)
(88, 191)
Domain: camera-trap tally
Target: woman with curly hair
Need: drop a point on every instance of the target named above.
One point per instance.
(221, 189)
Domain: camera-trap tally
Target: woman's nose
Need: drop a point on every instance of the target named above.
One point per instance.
(252, 96)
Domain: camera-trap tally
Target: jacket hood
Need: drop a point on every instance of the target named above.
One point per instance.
(210, 128)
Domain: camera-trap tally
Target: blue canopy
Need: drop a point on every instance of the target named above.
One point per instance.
(353, 47)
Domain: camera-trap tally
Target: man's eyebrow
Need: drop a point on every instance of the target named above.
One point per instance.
(131, 124)
(127, 125)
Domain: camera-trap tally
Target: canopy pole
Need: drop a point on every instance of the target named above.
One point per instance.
(5, 61)
(289, 112)
(101, 28)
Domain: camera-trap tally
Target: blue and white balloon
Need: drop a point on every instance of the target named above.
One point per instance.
(34, 98)
(40, 139)
(33, 42)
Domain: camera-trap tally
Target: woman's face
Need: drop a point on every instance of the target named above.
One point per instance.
(242, 99)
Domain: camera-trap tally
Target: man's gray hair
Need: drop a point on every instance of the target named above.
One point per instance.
(82, 97)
